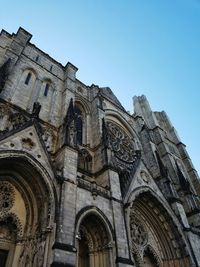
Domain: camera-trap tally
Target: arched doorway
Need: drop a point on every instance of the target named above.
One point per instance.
(26, 214)
(94, 243)
(155, 238)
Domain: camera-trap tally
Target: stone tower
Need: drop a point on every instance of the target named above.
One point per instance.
(82, 182)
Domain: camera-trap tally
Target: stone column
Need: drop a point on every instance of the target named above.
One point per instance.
(123, 258)
(64, 248)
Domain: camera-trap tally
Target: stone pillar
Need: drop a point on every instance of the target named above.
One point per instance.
(64, 248)
(69, 86)
(123, 258)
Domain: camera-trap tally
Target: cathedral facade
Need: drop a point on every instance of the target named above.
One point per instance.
(83, 183)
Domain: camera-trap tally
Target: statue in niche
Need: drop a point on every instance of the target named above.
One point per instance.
(36, 109)
(73, 125)
(71, 134)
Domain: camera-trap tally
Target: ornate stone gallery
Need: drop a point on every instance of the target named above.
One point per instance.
(84, 183)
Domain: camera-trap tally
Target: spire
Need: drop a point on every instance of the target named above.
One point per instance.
(70, 113)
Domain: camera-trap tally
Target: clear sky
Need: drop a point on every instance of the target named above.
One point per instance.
(135, 47)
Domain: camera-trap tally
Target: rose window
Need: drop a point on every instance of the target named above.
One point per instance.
(121, 143)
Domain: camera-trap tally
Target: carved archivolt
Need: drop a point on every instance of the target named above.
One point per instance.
(10, 226)
(7, 196)
(85, 234)
(150, 250)
(136, 255)
(138, 231)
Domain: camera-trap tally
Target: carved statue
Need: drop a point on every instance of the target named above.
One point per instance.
(36, 109)
(73, 125)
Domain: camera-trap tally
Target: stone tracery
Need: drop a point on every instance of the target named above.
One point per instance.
(121, 143)
(138, 231)
(125, 158)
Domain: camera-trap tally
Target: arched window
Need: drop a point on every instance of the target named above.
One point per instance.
(78, 125)
(28, 77)
(84, 160)
(46, 89)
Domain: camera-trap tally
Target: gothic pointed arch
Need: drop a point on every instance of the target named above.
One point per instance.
(75, 124)
(28, 210)
(117, 117)
(156, 235)
(94, 239)
(82, 114)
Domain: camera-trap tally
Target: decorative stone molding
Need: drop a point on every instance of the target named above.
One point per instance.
(138, 231)
(150, 250)
(145, 177)
(12, 223)
(7, 196)
(121, 143)
(27, 143)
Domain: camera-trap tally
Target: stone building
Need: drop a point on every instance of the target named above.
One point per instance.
(82, 182)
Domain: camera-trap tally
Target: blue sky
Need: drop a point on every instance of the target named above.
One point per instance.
(135, 47)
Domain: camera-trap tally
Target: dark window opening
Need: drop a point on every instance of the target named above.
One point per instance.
(3, 257)
(78, 125)
(37, 58)
(28, 77)
(46, 90)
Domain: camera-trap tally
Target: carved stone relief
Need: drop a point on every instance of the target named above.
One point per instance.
(145, 177)
(49, 139)
(7, 196)
(10, 225)
(33, 251)
(138, 231)
(27, 143)
(16, 120)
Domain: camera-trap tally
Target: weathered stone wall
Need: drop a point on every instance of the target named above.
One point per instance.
(138, 168)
